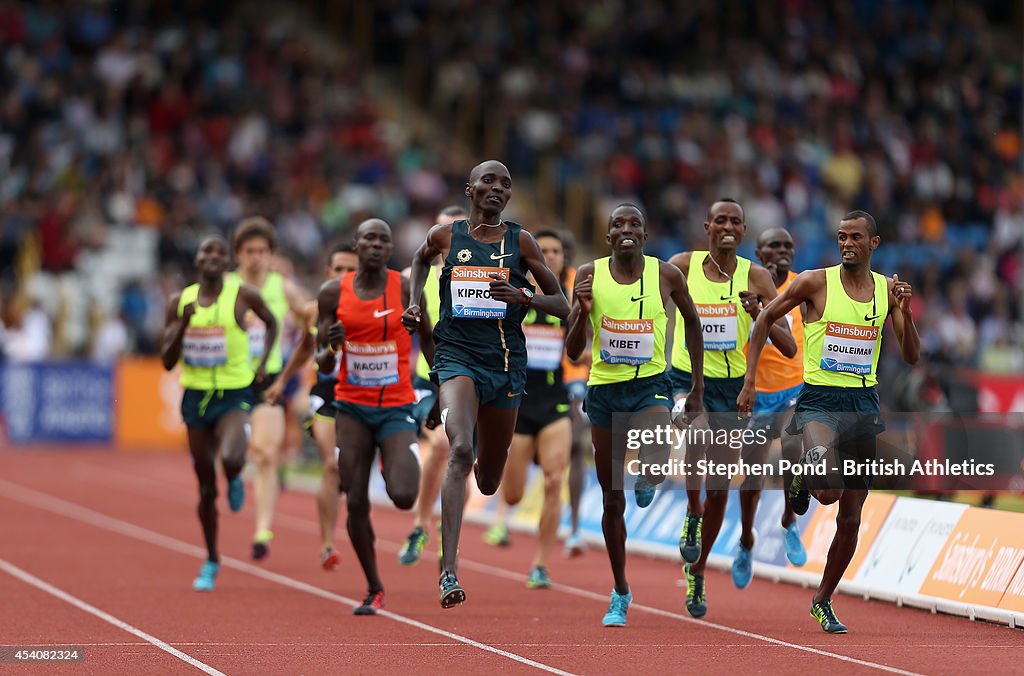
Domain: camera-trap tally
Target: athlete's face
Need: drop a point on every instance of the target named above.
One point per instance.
(554, 256)
(212, 257)
(627, 231)
(342, 262)
(373, 244)
(856, 243)
(775, 250)
(254, 255)
(489, 188)
(725, 225)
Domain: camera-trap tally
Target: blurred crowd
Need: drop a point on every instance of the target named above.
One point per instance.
(128, 129)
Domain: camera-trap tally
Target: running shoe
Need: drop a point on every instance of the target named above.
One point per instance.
(329, 559)
(616, 615)
(371, 604)
(574, 546)
(261, 544)
(742, 568)
(696, 600)
(412, 548)
(497, 536)
(539, 578)
(207, 575)
(236, 494)
(795, 551)
(823, 613)
(643, 492)
(689, 538)
(452, 594)
(799, 496)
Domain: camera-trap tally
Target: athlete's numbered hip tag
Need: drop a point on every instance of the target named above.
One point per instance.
(544, 345)
(205, 346)
(372, 364)
(849, 348)
(471, 292)
(627, 341)
(719, 325)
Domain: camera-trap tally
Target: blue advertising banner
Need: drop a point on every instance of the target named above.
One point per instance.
(59, 402)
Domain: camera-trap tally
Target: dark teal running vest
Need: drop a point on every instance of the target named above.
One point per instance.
(469, 330)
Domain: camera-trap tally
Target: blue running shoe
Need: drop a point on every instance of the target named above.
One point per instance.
(689, 538)
(236, 494)
(207, 575)
(644, 492)
(742, 568)
(795, 551)
(412, 548)
(616, 615)
(452, 594)
(696, 600)
(823, 613)
(539, 578)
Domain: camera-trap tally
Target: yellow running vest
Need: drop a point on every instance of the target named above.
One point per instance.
(841, 349)
(215, 350)
(272, 292)
(432, 293)
(629, 325)
(725, 324)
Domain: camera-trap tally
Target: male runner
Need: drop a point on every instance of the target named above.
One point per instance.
(779, 381)
(480, 360)
(203, 330)
(838, 409)
(253, 242)
(361, 313)
(726, 289)
(622, 299)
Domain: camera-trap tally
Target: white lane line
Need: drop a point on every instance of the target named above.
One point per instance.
(306, 525)
(28, 578)
(80, 513)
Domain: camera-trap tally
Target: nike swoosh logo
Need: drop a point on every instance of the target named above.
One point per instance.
(724, 297)
(662, 396)
(510, 394)
(638, 298)
(377, 314)
(871, 319)
(496, 257)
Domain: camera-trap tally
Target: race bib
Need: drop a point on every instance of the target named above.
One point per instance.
(627, 341)
(720, 326)
(849, 348)
(205, 346)
(544, 345)
(372, 364)
(471, 292)
(257, 336)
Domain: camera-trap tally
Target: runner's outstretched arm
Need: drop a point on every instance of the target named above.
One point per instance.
(579, 318)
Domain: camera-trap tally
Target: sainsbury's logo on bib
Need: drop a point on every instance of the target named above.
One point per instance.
(471, 292)
(849, 348)
(627, 341)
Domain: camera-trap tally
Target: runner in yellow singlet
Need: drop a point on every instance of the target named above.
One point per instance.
(838, 409)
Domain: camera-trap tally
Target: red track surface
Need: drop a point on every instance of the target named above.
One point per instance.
(119, 532)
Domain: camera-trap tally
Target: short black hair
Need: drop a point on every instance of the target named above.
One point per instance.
(453, 210)
(727, 200)
(548, 232)
(631, 205)
(868, 218)
(341, 247)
